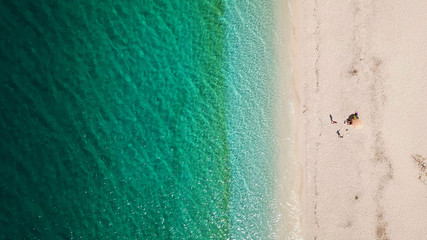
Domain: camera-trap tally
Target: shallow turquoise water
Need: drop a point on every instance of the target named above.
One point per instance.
(251, 78)
(142, 120)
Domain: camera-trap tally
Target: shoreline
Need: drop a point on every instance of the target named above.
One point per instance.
(289, 172)
(261, 138)
(366, 57)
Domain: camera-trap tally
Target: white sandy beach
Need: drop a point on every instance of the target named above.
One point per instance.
(365, 56)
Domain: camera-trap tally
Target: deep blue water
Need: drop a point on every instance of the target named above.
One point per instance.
(136, 120)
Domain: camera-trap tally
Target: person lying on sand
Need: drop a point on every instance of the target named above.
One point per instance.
(339, 134)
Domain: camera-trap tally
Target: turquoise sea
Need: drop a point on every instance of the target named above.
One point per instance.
(137, 120)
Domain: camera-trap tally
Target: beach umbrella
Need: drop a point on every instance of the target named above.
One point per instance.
(357, 123)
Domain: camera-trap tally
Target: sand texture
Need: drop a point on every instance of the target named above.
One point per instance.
(370, 57)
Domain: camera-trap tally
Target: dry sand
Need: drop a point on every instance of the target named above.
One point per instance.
(365, 56)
